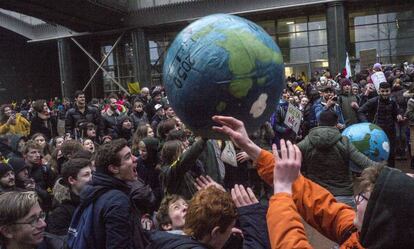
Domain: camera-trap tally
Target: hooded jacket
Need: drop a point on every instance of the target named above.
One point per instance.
(38, 126)
(326, 157)
(66, 203)
(112, 224)
(390, 212)
(385, 225)
(409, 113)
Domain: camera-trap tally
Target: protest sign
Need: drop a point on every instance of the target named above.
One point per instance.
(293, 118)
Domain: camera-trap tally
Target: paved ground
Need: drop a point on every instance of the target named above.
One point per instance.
(319, 241)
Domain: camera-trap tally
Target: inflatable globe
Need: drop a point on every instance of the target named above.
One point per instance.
(369, 139)
(223, 65)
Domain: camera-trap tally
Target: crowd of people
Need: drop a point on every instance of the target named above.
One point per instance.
(125, 172)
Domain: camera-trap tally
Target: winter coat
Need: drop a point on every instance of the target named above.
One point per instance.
(73, 116)
(22, 126)
(38, 126)
(147, 169)
(139, 118)
(59, 218)
(349, 113)
(112, 223)
(178, 177)
(320, 105)
(282, 131)
(326, 157)
(110, 122)
(409, 113)
(380, 112)
(389, 208)
(44, 180)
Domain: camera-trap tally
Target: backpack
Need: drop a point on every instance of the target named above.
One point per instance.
(81, 227)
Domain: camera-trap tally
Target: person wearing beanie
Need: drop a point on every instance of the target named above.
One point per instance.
(348, 102)
(377, 67)
(384, 112)
(7, 179)
(21, 173)
(327, 156)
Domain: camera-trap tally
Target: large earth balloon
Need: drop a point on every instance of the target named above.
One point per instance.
(369, 139)
(223, 65)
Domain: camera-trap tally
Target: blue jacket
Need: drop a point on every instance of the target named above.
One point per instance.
(320, 106)
(111, 217)
(252, 221)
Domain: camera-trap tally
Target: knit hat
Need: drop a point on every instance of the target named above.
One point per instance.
(4, 168)
(384, 85)
(345, 82)
(18, 164)
(355, 85)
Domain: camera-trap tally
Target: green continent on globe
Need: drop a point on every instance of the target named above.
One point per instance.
(242, 61)
(372, 127)
(203, 32)
(363, 145)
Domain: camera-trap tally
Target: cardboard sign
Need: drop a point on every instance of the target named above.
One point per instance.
(378, 78)
(293, 118)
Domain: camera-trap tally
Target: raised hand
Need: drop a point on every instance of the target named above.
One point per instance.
(205, 182)
(287, 166)
(235, 129)
(243, 197)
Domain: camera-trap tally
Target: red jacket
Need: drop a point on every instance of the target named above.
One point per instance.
(311, 202)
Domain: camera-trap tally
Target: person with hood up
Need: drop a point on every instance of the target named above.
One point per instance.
(21, 174)
(16, 143)
(124, 129)
(327, 156)
(12, 122)
(384, 199)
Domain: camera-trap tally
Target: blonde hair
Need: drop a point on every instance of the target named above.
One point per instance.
(16, 205)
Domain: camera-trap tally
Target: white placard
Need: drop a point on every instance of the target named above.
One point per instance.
(378, 78)
(293, 118)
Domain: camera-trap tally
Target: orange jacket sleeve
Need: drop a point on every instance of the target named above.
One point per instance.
(284, 224)
(314, 203)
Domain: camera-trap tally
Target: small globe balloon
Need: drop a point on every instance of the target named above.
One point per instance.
(223, 65)
(370, 140)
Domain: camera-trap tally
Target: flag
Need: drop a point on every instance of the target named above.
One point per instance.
(346, 72)
(134, 88)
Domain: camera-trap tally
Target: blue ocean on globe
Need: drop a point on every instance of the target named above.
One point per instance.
(369, 139)
(223, 65)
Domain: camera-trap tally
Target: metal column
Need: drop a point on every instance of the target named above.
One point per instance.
(338, 36)
(142, 66)
(65, 66)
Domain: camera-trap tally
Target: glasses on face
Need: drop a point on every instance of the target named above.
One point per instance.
(359, 198)
(33, 221)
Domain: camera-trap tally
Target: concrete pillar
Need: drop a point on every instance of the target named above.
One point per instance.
(65, 67)
(338, 35)
(142, 65)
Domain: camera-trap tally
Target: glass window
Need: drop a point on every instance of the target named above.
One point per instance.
(317, 22)
(364, 33)
(286, 25)
(387, 30)
(299, 55)
(362, 18)
(268, 26)
(319, 53)
(364, 46)
(293, 40)
(317, 37)
(387, 17)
